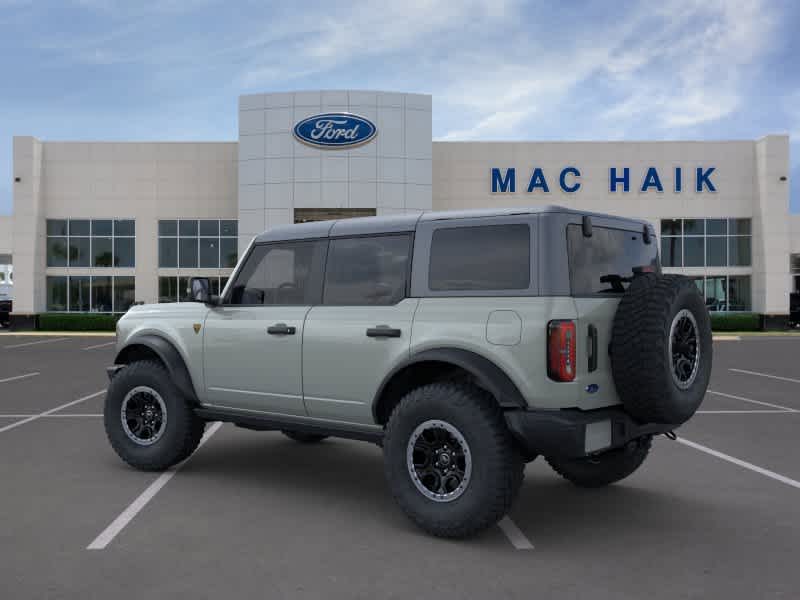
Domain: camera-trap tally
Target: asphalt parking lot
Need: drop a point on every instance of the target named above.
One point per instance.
(714, 515)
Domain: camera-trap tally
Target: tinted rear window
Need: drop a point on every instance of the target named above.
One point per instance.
(601, 263)
(486, 257)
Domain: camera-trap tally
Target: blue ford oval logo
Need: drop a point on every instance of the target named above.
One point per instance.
(335, 130)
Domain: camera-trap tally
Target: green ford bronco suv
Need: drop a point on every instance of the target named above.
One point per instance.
(463, 343)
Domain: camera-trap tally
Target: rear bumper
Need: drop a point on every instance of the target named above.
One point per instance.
(575, 433)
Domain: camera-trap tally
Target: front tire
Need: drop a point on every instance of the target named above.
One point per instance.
(147, 420)
(606, 468)
(450, 460)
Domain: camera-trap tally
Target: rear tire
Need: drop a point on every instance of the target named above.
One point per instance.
(476, 484)
(160, 429)
(303, 437)
(603, 469)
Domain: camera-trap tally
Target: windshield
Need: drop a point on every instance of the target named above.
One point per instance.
(604, 263)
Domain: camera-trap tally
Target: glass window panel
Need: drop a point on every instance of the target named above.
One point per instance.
(671, 227)
(125, 227)
(56, 227)
(699, 282)
(739, 248)
(716, 226)
(488, 257)
(125, 252)
(739, 293)
(209, 228)
(102, 252)
(716, 251)
(794, 263)
(214, 286)
(78, 227)
(184, 293)
(79, 255)
(167, 289)
(168, 228)
(671, 252)
(102, 300)
(57, 252)
(223, 281)
(99, 227)
(739, 226)
(229, 228)
(716, 293)
(693, 252)
(209, 253)
(167, 253)
(693, 227)
(228, 252)
(79, 292)
(124, 293)
(281, 274)
(56, 293)
(367, 270)
(187, 256)
(187, 228)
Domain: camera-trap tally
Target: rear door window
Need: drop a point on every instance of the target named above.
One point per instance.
(367, 271)
(484, 257)
(604, 263)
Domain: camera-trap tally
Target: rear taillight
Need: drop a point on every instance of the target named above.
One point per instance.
(561, 350)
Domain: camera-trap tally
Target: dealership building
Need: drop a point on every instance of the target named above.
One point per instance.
(97, 226)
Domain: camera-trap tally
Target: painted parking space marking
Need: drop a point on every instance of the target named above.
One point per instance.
(47, 413)
(741, 463)
(751, 401)
(755, 411)
(17, 377)
(778, 377)
(23, 345)
(53, 416)
(127, 515)
(514, 534)
(99, 345)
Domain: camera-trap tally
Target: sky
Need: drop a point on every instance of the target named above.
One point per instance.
(497, 69)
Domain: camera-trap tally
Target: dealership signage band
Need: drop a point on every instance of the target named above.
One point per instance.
(504, 181)
(335, 130)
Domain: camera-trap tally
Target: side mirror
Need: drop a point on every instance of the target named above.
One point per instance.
(200, 289)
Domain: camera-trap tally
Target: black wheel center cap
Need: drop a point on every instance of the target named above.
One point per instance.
(444, 458)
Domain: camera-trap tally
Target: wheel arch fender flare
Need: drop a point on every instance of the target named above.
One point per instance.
(169, 356)
(486, 373)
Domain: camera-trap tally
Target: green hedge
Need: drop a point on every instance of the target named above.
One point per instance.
(735, 322)
(77, 322)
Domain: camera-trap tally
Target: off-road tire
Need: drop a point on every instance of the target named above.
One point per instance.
(497, 467)
(603, 469)
(183, 430)
(640, 360)
(303, 437)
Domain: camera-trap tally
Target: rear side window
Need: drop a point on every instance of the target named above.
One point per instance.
(280, 274)
(604, 263)
(485, 257)
(371, 270)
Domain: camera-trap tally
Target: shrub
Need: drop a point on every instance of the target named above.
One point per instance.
(735, 322)
(77, 322)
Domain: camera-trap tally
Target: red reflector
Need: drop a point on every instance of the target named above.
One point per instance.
(561, 350)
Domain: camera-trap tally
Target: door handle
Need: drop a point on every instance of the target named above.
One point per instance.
(592, 348)
(383, 331)
(281, 329)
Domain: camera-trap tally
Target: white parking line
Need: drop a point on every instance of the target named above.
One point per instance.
(765, 375)
(759, 402)
(47, 413)
(125, 517)
(745, 412)
(57, 415)
(741, 463)
(99, 345)
(7, 379)
(35, 343)
(514, 534)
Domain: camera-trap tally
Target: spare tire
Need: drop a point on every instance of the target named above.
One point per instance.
(661, 348)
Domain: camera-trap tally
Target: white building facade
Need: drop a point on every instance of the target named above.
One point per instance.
(99, 225)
